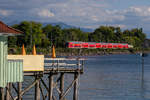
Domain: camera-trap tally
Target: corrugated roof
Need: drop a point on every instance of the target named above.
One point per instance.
(8, 30)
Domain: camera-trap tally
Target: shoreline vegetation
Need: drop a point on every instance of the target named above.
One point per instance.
(44, 36)
(78, 52)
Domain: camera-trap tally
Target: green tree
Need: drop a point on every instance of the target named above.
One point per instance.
(32, 33)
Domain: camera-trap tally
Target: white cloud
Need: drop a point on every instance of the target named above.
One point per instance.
(94, 18)
(80, 13)
(140, 11)
(120, 25)
(45, 13)
(5, 12)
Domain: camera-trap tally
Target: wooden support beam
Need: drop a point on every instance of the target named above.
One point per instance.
(50, 87)
(2, 97)
(42, 92)
(54, 85)
(44, 84)
(69, 88)
(61, 85)
(19, 90)
(27, 88)
(14, 88)
(37, 89)
(7, 89)
(75, 94)
(9, 86)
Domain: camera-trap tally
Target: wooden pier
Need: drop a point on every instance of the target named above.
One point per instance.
(58, 67)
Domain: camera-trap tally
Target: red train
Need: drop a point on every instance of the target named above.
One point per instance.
(74, 44)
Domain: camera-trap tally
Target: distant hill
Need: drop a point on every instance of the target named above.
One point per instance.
(66, 26)
(61, 24)
(13, 22)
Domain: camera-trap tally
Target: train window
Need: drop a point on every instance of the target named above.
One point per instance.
(115, 46)
(77, 45)
(109, 45)
(98, 45)
(91, 45)
(104, 46)
(120, 46)
(85, 45)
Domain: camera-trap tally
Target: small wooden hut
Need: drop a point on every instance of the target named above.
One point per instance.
(5, 65)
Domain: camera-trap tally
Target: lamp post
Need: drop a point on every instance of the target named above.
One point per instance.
(142, 60)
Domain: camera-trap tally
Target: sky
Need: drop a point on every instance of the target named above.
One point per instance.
(126, 14)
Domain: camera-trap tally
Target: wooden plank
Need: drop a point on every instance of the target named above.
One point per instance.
(64, 59)
(59, 64)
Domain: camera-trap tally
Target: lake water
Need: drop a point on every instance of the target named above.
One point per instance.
(115, 77)
(111, 77)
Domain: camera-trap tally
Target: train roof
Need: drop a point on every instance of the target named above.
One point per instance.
(78, 42)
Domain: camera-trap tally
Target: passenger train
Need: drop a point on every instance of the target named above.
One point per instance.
(77, 44)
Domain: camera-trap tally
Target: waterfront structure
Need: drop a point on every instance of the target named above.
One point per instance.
(14, 67)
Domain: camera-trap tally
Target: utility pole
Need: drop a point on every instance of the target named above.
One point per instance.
(31, 37)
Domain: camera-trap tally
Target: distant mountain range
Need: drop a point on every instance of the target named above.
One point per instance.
(61, 24)
(66, 26)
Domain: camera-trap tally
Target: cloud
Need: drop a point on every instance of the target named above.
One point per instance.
(45, 13)
(5, 12)
(140, 11)
(80, 13)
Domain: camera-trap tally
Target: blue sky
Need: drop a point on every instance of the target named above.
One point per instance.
(81, 13)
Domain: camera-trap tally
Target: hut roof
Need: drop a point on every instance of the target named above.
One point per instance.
(6, 30)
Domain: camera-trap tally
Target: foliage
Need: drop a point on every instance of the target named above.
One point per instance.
(45, 36)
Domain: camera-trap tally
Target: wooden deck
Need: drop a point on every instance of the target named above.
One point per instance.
(55, 69)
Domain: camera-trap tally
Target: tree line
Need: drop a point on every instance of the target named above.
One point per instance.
(45, 36)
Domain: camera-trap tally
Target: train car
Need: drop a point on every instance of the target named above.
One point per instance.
(90, 45)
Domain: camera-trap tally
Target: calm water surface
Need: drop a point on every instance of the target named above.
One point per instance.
(111, 77)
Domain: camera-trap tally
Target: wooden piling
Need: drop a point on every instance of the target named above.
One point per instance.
(75, 94)
(2, 97)
(50, 86)
(37, 89)
(19, 90)
(9, 86)
(61, 85)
